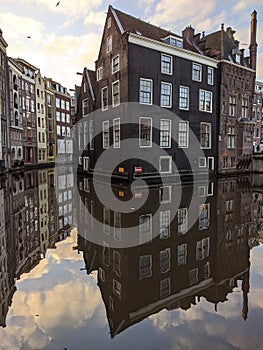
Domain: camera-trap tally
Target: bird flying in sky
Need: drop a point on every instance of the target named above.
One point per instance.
(57, 3)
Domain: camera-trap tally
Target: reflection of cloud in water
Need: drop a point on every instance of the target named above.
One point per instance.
(38, 309)
(202, 328)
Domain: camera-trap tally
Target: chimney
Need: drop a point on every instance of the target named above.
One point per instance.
(253, 40)
(230, 32)
(188, 33)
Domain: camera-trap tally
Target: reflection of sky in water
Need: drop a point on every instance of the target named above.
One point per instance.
(56, 306)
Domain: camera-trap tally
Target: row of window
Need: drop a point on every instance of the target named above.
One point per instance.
(115, 95)
(60, 103)
(115, 67)
(63, 117)
(146, 96)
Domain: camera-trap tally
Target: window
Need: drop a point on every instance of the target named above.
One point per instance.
(202, 162)
(145, 137)
(244, 107)
(166, 95)
(202, 249)
(117, 262)
(232, 105)
(115, 64)
(106, 134)
(109, 44)
(165, 194)
(165, 288)
(145, 266)
(210, 76)
(67, 106)
(115, 93)
(104, 98)
(231, 137)
(117, 226)
(182, 217)
(145, 91)
(164, 224)
(166, 64)
(205, 101)
(165, 133)
(232, 162)
(99, 73)
(106, 220)
(196, 72)
(91, 134)
(145, 228)
(58, 116)
(205, 135)
(101, 274)
(184, 97)
(193, 276)
(165, 260)
(116, 288)
(204, 216)
(182, 253)
(225, 162)
(85, 107)
(116, 133)
(165, 164)
(106, 254)
(183, 136)
(207, 272)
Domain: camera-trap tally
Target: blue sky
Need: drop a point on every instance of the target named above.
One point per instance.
(65, 38)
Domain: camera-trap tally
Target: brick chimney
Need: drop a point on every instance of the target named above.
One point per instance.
(188, 33)
(253, 40)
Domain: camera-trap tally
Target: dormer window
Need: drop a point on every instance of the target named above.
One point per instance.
(237, 58)
(172, 40)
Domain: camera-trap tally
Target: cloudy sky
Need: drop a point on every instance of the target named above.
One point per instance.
(65, 38)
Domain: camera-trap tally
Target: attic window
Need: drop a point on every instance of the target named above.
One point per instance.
(172, 40)
(138, 32)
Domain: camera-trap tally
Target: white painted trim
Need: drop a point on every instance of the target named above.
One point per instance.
(142, 103)
(212, 75)
(201, 72)
(117, 20)
(151, 135)
(210, 135)
(102, 107)
(119, 127)
(211, 109)
(112, 64)
(115, 82)
(171, 95)
(171, 73)
(170, 132)
(187, 122)
(188, 98)
(171, 50)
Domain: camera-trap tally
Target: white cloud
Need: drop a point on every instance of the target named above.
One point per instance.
(95, 18)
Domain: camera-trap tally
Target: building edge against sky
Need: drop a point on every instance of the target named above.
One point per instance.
(206, 79)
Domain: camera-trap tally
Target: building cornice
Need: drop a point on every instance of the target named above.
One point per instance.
(238, 65)
(176, 51)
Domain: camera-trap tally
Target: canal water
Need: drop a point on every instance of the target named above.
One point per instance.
(72, 277)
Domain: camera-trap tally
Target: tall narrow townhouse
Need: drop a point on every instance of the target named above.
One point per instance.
(3, 103)
(28, 96)
(16, 124)
(63, 123)
(50, 120)
(175, 90)
(41, 119)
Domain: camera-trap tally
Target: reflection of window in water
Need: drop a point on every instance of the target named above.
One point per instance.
(116, 288)
(165, 260)
(165, 224)
(193, 276)
(106, 254)
(207, 272)
(165, 194)
(101, 274)
(182, 253)
(145, 228)
(204, 216)
(229, 239)
(117, 263)
(202, 248)
(117, 226)
(182, 214)
(106, 220)
(145, 266)
(229, 206)
(165, 288)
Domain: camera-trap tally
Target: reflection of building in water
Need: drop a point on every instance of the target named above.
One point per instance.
(182, 263)
(28, 225)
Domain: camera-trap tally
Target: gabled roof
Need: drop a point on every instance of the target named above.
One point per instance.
(91, 79)
(137, 26)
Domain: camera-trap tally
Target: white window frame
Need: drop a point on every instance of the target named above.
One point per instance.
(170, 164)
(116, 126)
(163, 83)
(200, 159)
(195, 70)
(205, 99)
(99, 73)
(117, 82)
(104, 108)
(109, 44)
(210, 135)
(118, 64)
(150, 141)
(164, 131)
(184, 132)
(187, 98)
(171, 64)
(86, 163)
(151, 93)
(164, 224)
(211, 74)
(85, 101)
(105, 129)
